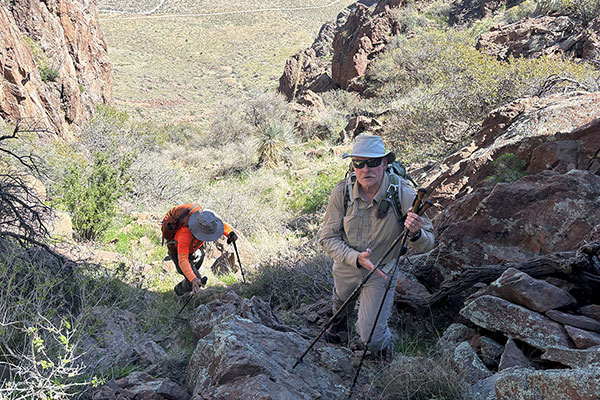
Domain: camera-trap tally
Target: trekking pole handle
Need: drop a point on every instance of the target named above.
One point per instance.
(416, 206)
(426, 206)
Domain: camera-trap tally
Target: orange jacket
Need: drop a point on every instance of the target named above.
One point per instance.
(188, 244)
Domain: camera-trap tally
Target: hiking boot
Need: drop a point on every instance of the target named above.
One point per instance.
(385, 356)
(183, 287)
(337, 333)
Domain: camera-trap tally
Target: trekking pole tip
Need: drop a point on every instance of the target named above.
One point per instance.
(298, 361)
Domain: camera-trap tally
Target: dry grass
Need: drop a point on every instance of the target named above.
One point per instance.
(171, 68)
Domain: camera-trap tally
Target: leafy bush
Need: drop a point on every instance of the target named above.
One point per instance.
(507, 168)
(90, 194)
(37, 335)
(584, 10)
(438, 87)
(48, 74)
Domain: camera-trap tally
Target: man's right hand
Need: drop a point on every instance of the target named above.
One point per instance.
(196, 285)
(365, 262)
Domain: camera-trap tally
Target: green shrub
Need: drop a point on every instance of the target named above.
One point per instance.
(37, 326)
(90, 194)
(584, 10)
(48, 74)
(507, 168)
(438, 87)
(312, 192)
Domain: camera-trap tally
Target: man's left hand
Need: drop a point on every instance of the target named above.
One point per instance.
(413, 222)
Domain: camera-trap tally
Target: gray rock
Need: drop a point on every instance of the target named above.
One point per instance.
(149, 352)
(592, 311)
(535, 294)
(582, 339)
(578, 321)
(574, 358)
(497, 314)
(528, 384)
(241, 359)
(491, 351)
(512, 357)
(452, 336)
(468, 362)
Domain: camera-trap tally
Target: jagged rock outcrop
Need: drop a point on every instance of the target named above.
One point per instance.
(465, 11)
(364, 35)
(245, 352)
(539, 36)
(558, 132)
(140, 386)
(358, 34)
(54, 63)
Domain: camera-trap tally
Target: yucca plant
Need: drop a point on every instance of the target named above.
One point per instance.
(274, 139)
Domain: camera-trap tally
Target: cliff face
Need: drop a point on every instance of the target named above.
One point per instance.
(53, 62)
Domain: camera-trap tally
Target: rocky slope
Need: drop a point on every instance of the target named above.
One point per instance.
(54, 63)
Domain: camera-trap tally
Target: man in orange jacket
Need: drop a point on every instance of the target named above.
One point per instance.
(202, 226)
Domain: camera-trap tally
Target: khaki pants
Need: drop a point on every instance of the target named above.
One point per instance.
(346, 279)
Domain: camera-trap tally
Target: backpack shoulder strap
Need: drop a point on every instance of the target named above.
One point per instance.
(348, 188)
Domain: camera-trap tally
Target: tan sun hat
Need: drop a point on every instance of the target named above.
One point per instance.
(370, 146)
(205, 226)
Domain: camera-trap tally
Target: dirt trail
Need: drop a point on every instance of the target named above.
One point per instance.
(125, 15)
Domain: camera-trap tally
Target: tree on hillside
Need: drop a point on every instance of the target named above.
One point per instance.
(22, 212)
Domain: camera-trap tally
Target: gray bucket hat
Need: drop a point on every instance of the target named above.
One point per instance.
(205, 226)
(370, 146)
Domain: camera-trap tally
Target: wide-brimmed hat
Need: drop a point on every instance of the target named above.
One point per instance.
(370, 146)
(205, 226)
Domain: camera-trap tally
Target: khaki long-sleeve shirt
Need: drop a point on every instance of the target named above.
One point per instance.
(344, 236)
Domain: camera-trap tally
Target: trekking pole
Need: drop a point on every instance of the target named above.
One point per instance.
(342, 308)
(186, 303)
(239, 262)
(419, 211)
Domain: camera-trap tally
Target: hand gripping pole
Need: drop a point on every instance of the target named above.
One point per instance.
(402, 238)
(420, 210)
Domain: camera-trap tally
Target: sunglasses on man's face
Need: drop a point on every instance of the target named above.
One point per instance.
(371, 163)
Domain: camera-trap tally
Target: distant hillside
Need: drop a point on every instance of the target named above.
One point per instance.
(180, 61)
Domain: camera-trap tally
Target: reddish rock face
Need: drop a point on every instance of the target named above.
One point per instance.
(362, 37)
(66, 37)
(557, 132)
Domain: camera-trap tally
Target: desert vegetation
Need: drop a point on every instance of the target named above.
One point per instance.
(197, 119)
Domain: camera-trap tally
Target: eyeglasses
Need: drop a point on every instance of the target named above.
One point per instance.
(371, 163)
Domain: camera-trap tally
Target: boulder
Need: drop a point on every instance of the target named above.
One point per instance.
(582, 338)
(304, 71)
(490, 351)
(592, 311)
(499, 315)
(539, 131)
(469, 364)
(512, 357)
(535, 294)
(140, 386)
(242, 359)
(527, 384)
(534, 37)
(578, 321)
(574, 358)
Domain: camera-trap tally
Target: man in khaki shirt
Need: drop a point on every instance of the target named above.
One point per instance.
(356, 239)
